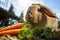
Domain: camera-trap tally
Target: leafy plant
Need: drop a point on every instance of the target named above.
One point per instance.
(59, 24)
(30, 31)
(25, 34)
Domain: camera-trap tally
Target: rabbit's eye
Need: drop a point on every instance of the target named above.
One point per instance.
(38, 9)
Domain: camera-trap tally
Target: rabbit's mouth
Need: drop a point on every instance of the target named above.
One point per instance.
(28, 17)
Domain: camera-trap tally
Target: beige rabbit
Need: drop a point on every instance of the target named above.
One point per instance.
(42, 16)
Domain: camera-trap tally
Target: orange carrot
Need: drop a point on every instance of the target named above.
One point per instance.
(10, 32)
(16, 26)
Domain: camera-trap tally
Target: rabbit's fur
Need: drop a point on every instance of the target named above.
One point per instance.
(42, 16)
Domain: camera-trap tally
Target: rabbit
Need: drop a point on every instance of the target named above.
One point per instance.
(42, 16)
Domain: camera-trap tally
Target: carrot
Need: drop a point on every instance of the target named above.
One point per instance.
(16, 26)
(10, 32)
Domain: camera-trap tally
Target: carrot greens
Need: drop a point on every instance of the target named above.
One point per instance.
(31, 31)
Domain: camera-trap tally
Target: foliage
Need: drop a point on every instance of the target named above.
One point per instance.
(21, 17)
(11, 9)
(59, 24)
(30, 31)
(43, 33)
(25, 34)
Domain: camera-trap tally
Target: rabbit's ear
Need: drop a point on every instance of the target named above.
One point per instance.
(47, 11)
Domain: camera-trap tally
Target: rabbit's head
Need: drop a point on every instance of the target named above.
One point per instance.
(36, 11)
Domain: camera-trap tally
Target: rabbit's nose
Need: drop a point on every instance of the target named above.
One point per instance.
(28, 16)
